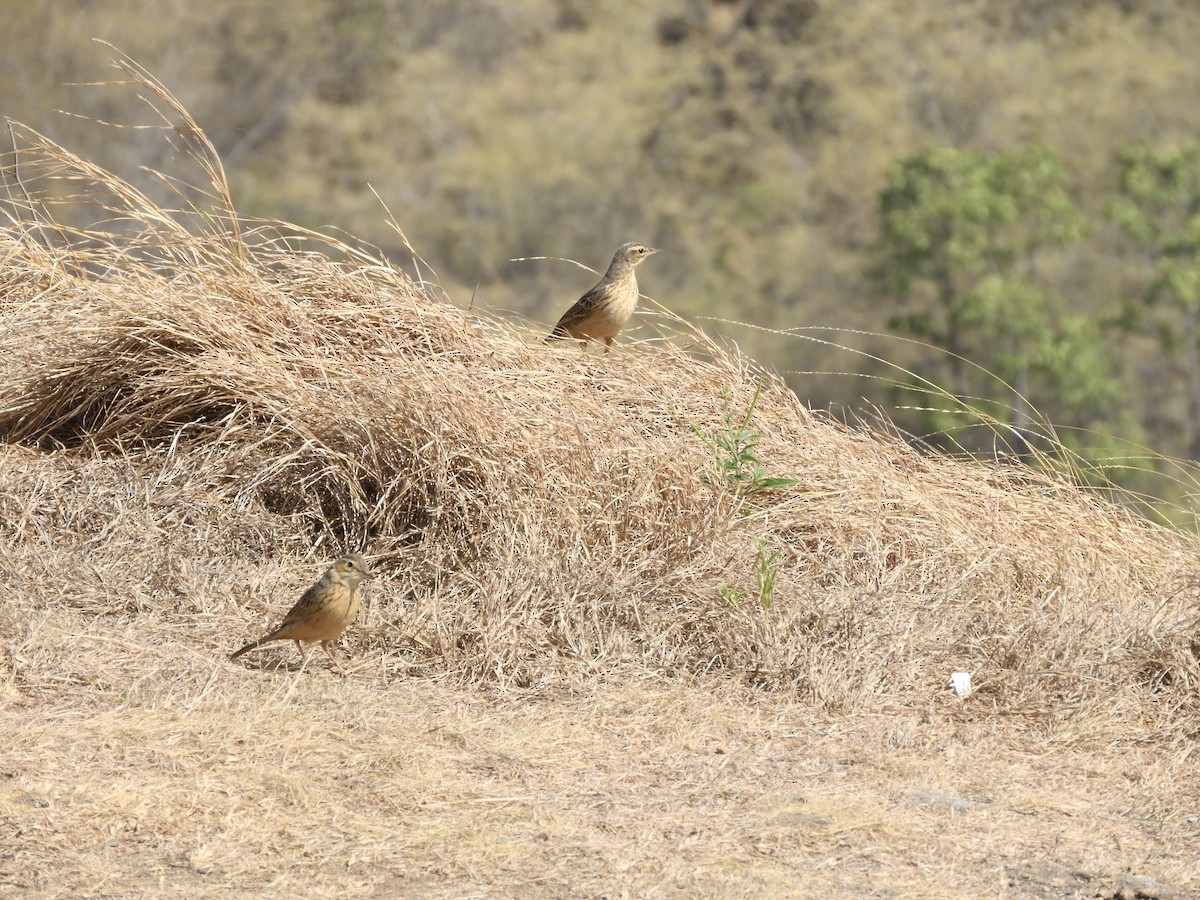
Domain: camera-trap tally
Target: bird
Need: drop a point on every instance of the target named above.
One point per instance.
(604, 310)
(324, 611)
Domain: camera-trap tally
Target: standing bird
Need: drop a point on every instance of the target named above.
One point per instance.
(325, 609)
(604, 310)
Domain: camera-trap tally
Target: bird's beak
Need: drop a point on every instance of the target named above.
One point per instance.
(654, 250)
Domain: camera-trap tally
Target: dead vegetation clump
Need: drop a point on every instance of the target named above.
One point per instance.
(544, 513)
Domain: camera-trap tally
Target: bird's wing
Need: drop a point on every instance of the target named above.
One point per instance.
(309, 600)
(581, 309)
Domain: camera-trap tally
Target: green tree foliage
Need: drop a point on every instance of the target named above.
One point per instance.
(1158, 205)
(963, 236)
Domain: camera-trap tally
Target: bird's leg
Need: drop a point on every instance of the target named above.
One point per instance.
(332, 658)
(608, 342)
(303, 653)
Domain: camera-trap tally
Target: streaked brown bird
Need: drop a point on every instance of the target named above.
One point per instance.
(325, 609)
(604, 310)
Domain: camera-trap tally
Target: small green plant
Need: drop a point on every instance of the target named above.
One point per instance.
(768, 571)
(731, 594)
(734, 449)
(764, 576)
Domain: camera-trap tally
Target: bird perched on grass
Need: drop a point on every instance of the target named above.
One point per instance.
(604, 310)
(325, 609)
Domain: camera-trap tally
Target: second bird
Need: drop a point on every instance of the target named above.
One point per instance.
(603, 311)
(325, 609)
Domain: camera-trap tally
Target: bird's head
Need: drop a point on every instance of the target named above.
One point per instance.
(634, 252)
(352, 567)
(626, 258)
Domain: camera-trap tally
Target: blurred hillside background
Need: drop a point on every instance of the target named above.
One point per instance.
(1014, 183)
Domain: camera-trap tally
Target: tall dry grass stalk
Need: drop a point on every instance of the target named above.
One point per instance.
(551, 513)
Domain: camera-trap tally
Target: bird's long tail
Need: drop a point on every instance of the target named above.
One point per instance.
(250, 646)
(273, 636)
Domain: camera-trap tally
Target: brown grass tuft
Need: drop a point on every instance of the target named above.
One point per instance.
(550, 512)
(198, 411)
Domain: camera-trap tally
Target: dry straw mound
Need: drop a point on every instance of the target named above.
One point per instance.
(551, 512)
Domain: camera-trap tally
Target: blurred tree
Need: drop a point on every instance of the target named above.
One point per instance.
(1158, 205)
(962, 236)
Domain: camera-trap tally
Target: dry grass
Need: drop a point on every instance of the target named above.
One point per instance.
(552, 694)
